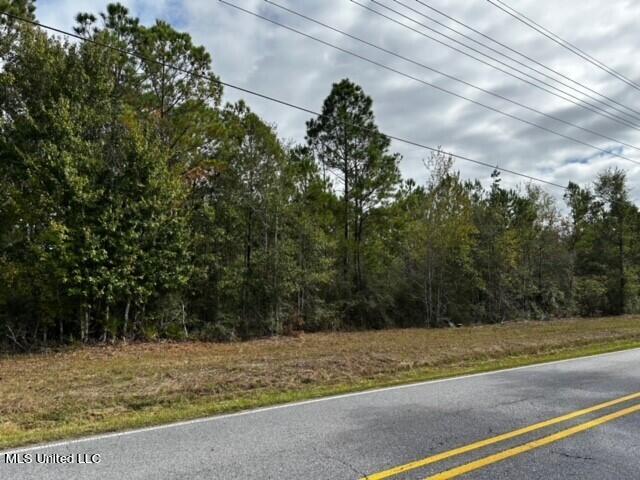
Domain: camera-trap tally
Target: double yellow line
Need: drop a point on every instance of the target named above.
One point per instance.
(483, 462)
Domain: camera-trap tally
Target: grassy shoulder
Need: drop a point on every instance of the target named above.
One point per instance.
(91, 390)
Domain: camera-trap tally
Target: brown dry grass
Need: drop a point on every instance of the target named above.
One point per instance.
(94, 389)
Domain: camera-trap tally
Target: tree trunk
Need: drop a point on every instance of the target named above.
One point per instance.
(84, 325)
(184, 320)
(125, 327)
(106, 326)
(621, 270)
(276, 264)
(347, 200)
(358, 253)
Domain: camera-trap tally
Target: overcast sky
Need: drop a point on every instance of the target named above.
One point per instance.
(258, 55)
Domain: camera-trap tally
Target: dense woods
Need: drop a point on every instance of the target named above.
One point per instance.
(135, 204)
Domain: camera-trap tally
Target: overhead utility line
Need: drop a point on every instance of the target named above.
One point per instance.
(576, 100)
(526, 57)
(560, 41)
(451, 77)
(419, 80)
(263, 96)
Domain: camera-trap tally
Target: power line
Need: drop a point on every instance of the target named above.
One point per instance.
(212, 78)
(457, 79)
(560, 74)
(560, 41)
(497, 42)
(419, 80)
(577, 101)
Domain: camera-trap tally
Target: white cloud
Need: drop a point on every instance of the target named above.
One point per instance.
(257, 55)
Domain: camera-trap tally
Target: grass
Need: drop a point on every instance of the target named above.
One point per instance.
(90, 390)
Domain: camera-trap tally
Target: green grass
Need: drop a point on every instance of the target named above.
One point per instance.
(133, 386)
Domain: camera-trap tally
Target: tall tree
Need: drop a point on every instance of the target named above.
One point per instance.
(99, 230)
(604, 234)
(437, 245)
(311, 223)
(618, 216)
(170, 81)
(246, 191)
(350, 147)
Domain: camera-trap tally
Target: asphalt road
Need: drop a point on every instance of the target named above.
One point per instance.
(354, 436)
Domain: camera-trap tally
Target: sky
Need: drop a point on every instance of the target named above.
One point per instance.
(254, 54)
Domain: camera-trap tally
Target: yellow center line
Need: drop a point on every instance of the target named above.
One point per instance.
(512, 452)
(493, 440)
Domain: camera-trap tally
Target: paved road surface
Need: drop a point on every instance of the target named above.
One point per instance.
(353, 436)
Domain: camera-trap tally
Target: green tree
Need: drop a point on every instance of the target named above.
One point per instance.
(246, 194)
(311, 227)
(170, 81)
(439, 240)
(604, 239)
(10, 28)
(97, 223)
(348, 145)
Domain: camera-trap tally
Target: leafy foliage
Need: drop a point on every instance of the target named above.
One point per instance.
(134, 204)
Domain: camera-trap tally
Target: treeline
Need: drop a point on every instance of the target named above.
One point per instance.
(134, 204)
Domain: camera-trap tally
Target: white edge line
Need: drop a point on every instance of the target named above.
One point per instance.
(301, 403)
